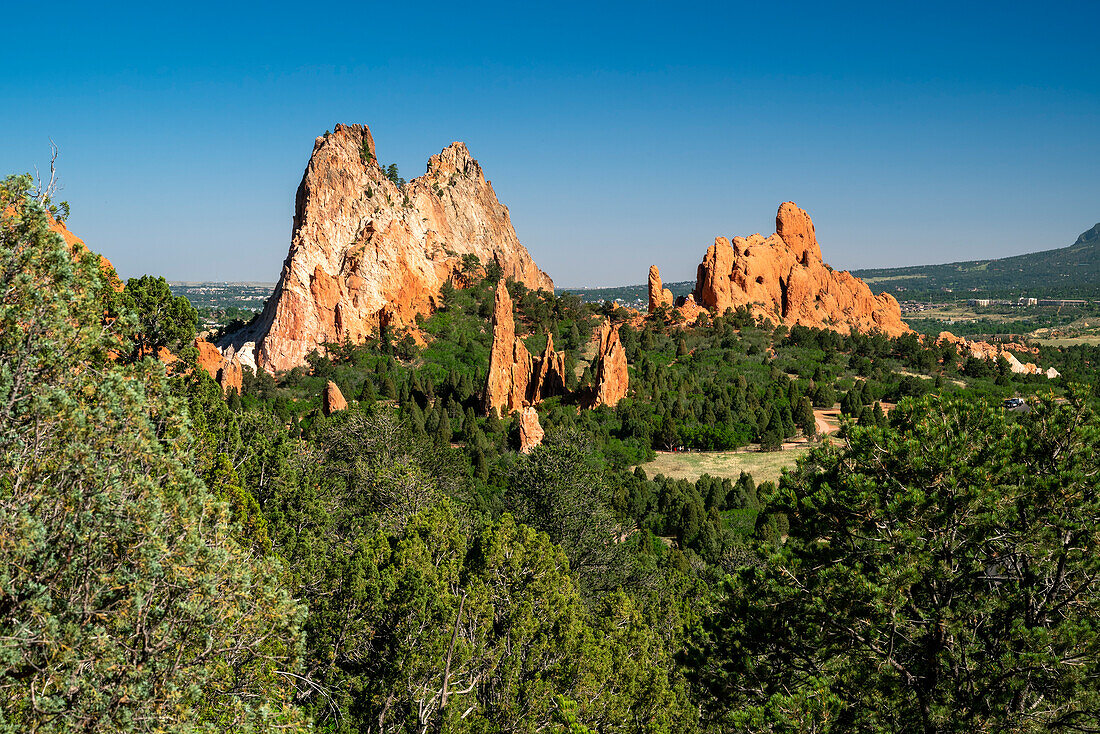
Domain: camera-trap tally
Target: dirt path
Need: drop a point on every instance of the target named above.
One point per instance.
(827, 420)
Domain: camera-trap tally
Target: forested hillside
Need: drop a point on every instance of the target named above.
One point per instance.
(177, 559)
(1072, 271)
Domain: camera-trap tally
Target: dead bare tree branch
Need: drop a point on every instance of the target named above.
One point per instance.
(45, 193)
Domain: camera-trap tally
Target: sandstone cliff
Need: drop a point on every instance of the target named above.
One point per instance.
(509, 361)
(548, 375)
(783, 278)
(516, 379)
(366, 252)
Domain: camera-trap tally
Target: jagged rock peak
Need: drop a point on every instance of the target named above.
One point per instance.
(548, 374)
(516, 379)
(796, 228)
(226, 369)
(366, 252)
(783, 278)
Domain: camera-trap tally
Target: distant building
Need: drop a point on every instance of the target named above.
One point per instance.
(1061, 302)
(1027, 302)
(980, 302)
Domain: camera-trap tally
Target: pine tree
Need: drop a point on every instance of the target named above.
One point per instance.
(443, 431)
(805, 418)
(368, 393)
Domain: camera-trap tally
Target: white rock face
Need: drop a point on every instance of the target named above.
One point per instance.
(246, 354)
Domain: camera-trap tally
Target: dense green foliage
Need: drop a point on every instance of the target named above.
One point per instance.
(127, 602)
(940, 574)
(164, 320)
(173, 559)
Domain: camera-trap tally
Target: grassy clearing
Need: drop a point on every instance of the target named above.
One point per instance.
(763, 466)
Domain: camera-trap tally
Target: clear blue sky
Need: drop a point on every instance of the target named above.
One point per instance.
(618, 135)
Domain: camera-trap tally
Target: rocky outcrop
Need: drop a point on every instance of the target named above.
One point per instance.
(367, 253)
(548, 374)
(231, 374)
(516, 379)
(783, 278)
(985, 350)
(225, 368)
(509, 361)
(611, 375)
(688, 309)
(658, 295)
(332, 400)
(530, 431)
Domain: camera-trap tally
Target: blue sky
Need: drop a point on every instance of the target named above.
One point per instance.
(619, 135)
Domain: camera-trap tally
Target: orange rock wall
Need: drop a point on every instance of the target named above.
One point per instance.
(509, 361)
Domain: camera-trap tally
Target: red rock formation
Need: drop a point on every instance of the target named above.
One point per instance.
(515, 378)
(509, 361)
(688, 309)
(658, 295)
(783, 278)
(612, 377)
(225, 368)
(332, 400)
(985, 350)
(210, 357)
(231, 374)
(365, 251)
(530, 431)
(549, 373)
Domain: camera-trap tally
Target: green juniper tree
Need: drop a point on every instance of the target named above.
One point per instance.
(941, 574)
(128, 601)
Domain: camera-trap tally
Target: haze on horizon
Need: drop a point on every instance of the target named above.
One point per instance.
(618, 137)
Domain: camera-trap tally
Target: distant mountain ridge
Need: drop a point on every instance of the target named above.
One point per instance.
(1064, 271)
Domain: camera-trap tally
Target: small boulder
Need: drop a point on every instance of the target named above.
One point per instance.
(530, 431)
(332, 399)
